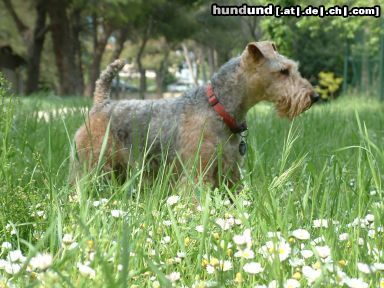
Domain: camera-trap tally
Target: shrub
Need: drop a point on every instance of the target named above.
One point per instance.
(328, 85)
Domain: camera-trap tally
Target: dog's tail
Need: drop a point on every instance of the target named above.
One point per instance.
(103, 84)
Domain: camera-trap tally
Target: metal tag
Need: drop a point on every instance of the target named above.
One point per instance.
(242, 147)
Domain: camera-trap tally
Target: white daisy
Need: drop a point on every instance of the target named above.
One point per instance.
(15, 256)
(226, 265)
(166, 240)
(296, 262)
(317, 240)
(243, 239)
(284, 250)
(343, 237)
(311, 274)
(379, 266)
(225, 224)
(320, 223)
(172, 200)
(12, 268)
(246, 253)
(86, 271)
(67, 239)
(253, 268)
(323, 251)
(301, 234)
(6, 246)
(371, 233)
(210, 269)
(117, 213)
(41, 261)
(292, 283)
(306, 253)
(356, 283)
(273, 284)
(167, 222)
(199, 228)
(370, 217)
(174, 276)
(365, 268)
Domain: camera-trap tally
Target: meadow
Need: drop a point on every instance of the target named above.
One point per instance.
(310, 214)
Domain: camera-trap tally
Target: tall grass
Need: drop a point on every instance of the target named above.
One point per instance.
(327, 164)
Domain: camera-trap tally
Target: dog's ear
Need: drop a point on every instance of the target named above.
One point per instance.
(254, 52)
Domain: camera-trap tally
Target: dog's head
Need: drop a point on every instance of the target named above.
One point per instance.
(272, 77)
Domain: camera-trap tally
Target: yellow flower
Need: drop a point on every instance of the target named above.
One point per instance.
(90, 244)
(204, 262)
(239, 277)
(216, 235)
(381, 285)
(214, 261)
(187, 241)
(169, 261)
(291, 240)
(296, 275)
(229, 252)
(33, 276)
(317, 265)
(342, 263)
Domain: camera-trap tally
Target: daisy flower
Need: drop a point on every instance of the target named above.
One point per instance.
(292, 283)
(356, 283)
(301, 234)
(323, 251)
(320, 223)
(174, 276)
(41, 261)
(172, 200)
(311, 274)
(247, 253)
(86, 271)
(253, 268)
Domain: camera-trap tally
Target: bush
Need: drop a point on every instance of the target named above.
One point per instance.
(328, 85)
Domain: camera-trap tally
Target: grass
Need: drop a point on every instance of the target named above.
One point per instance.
(327, 165)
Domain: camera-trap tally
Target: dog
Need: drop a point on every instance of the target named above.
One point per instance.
(197, 124)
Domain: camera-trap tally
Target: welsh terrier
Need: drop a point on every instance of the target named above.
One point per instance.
(195, 125)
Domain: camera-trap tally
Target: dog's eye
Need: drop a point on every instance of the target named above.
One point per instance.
(284, 71)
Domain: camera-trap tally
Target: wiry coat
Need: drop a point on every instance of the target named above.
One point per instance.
(186, 125)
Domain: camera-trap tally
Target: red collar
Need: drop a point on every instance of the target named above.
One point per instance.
(227, 118)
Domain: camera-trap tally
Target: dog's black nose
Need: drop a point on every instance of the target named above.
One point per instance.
(315, 97)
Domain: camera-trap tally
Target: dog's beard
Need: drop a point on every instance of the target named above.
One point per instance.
(291, 107)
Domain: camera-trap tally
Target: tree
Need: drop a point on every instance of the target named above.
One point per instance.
(219, 37)
(33, 39)
(108, 18)
(65, 33)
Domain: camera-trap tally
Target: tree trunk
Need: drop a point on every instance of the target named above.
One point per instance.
(98, 51)
(76, 29)
(33, 40)
(64, 48)
(121, 38)
(143, 79)
(202, 63)
(211, 61)
(161, 73)
(189, 64)
(35, 49)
